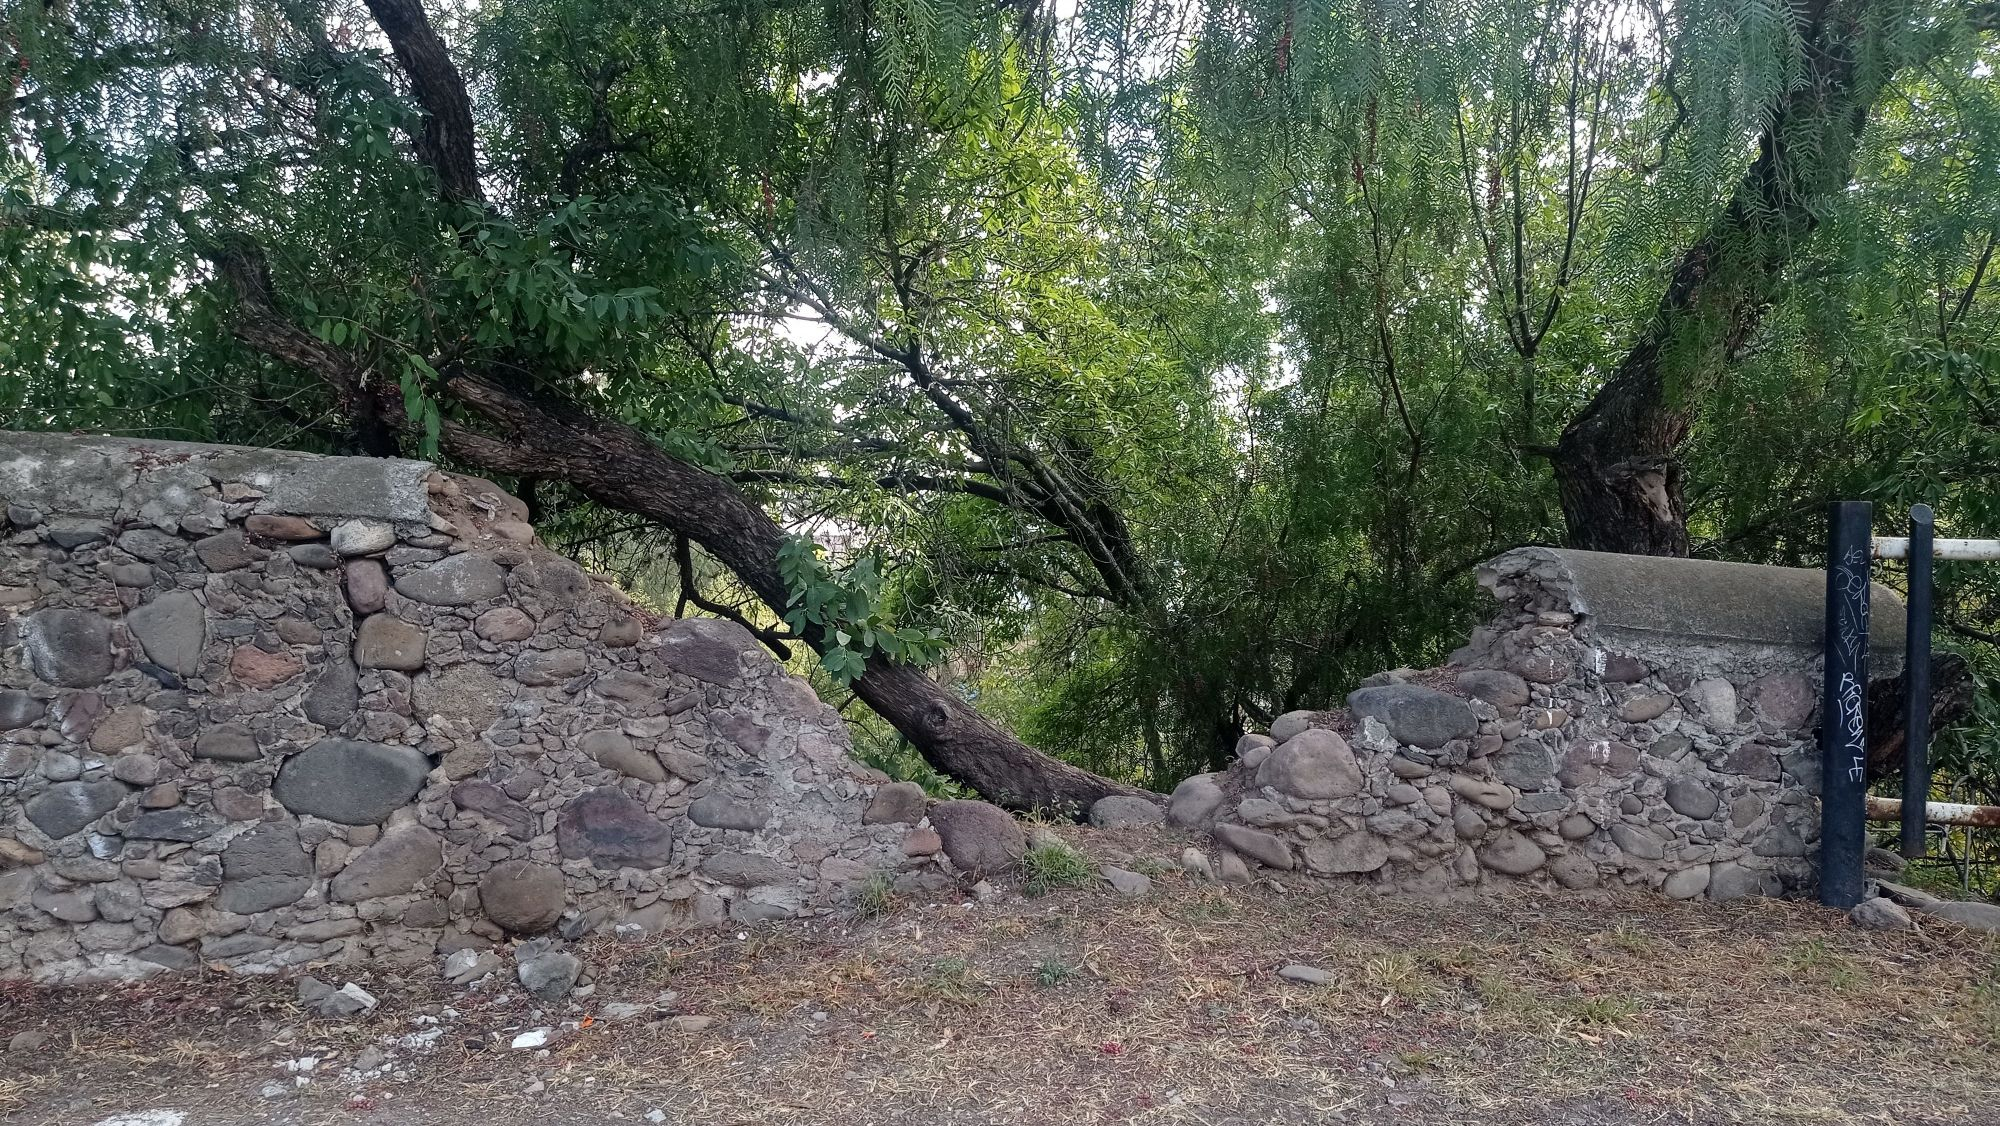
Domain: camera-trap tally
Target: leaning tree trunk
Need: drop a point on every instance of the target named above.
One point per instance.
(1617, 464)
(616, 465)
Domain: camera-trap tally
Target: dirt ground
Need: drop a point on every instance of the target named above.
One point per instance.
(1081, 1006)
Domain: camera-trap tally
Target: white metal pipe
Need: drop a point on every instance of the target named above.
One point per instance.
(1936, 812)
(1898, 547)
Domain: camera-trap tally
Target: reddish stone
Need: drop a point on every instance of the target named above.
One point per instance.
(296, 528)
(259, 669)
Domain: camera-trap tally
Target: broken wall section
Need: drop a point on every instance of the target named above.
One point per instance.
(261, 709)
(1625, 720)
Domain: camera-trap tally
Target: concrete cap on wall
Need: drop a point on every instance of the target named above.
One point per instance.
(94, 476)
(1650, 599)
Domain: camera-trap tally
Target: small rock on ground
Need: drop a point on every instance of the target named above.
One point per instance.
(1126, 882)
(1305, 975)
(1880, 915)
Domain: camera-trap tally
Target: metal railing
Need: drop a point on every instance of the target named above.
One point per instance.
(1845, 806)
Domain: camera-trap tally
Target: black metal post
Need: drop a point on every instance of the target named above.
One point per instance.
(1844, 705)
(1917, 684)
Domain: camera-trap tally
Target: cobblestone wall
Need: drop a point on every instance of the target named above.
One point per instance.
(1622, 720)
(262, 709)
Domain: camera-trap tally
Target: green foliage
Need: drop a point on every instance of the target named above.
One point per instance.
(1055, 865)
(845, 610)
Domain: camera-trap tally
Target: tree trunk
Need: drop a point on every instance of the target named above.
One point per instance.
(1617, 466)
(618, 466)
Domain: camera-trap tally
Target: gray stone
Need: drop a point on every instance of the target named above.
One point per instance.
(746, 870)
(1573, 871)
(335, 695)
(502, 624)
(133, 575)
(708, 649)
(1126, 883)
(1780, 839)
(263, 869)
(387, 642)
(18, 709)
(1482, 791)
(150, 544)
(172, 630)
(613, 831)
(1644, 707)
(1420, 716)
(459, 580)
(1510, 853)
(1880, 915)
(896, 803)
(71, 534)
(980, 839)
(1687, 883)
(228, 551)
(1121, 811)
(69, 906)
(1501, 689)
(67, 807)
(1576, 827)
(1348, 853)
(171, 957)
(542, 667)
(1195, 801)
(463, 967)
(367, 585)
(551, 976)
(1787, 699)
(1305, 975)
(614, 751)
(317, 556)
(1265, 848)
(469, 695)
(1730, 880)
(1755, 761)
(725, 811)
(71, 648)
(1638, 841)
(1254, 743)
(522, 896)
(489, 801)
(1525, 765)
(351, 782)
(228, 742)
(1714, 701)
(1284, 727)
(362, 537)
(1315, 764)
(1693, 798)
(395, 864)
(185, 825)
(683, 763)
(1975, 916)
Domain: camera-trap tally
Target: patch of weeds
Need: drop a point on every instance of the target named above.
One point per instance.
(876, 898)
(1207, 907)
(1051, 972)
(1602, 1010)
(1418, 1061)
(1629, 940)
(1397, 974)
(1055, 865)
(1816, 958)
(950, 981)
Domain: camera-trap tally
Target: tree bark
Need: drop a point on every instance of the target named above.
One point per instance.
(1617, 465)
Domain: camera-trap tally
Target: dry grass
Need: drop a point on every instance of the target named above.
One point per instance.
(1078, 1006)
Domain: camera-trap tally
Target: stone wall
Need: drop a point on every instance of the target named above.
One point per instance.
(261, 709)
(1622, 720)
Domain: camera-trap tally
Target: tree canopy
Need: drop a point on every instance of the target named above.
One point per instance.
(1141, 370)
